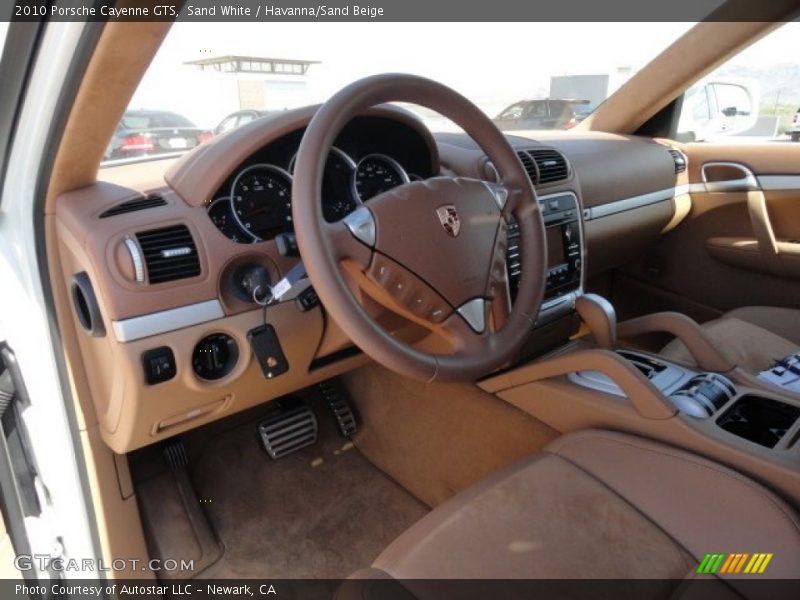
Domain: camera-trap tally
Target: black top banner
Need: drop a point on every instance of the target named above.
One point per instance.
(399, 10)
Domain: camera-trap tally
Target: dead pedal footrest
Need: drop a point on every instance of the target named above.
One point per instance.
(336, 398)
(288, 431)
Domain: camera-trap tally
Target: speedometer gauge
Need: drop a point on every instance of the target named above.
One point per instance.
(261, 197)
(377, 173)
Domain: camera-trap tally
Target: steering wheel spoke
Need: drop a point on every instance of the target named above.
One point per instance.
(467, 328)
(353, 238)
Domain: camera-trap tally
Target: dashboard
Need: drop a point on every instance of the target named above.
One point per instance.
(154, 254)
(370, 156)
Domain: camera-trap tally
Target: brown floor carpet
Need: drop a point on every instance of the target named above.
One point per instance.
(438, 439)
(322, 512)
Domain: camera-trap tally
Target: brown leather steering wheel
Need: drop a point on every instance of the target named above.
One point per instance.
(432, 251)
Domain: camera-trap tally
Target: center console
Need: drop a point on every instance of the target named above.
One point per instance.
(564, 239)
(729, 404)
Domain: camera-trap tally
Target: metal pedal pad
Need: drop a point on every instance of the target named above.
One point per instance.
(175, 455)
(336, 398)
(288, 431)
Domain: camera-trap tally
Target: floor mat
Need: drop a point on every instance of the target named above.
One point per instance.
(322, 512)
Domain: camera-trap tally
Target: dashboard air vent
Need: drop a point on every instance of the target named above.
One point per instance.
(134, 205)
(530, 166)
(169, 253)
(680, 160)
(551, 164)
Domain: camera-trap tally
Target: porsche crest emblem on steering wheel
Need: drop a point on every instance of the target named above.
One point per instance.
(448, 217)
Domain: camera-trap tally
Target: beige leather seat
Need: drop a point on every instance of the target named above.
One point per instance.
(753, 337)
(594, 504)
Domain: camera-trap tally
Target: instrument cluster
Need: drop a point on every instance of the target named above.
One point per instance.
(258, 206)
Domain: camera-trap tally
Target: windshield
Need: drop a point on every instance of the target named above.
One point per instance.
(218, 76)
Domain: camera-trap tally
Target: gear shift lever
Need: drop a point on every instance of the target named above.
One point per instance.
(600, 316)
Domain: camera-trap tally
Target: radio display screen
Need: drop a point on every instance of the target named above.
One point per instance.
(555, 247)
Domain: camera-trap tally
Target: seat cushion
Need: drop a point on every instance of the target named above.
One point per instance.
(753, 337)
(597, 504)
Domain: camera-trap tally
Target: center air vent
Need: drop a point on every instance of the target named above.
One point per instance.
(551, 164)
(134, 205)
(169, 253)
(680, 160)
(544, 165)
(530, 166)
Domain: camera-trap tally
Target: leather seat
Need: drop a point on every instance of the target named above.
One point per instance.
(753, 337)
(594, 504)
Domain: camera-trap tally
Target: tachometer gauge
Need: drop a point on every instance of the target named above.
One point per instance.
(221, 214)
(261, 197)
(377, 173)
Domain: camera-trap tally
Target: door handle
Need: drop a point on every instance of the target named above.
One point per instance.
(728, 177)
(735, 177)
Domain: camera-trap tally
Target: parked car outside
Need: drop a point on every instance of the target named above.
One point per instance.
(149, 132)
(546, 113)
(239, 118)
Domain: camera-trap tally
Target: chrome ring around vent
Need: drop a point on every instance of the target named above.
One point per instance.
(136, 257)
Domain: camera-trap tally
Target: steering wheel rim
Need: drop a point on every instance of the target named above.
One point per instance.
(325, 246)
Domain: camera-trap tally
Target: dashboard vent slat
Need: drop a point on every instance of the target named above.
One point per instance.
(530, 166)
(169, 253)
(551, 164)
(134, 205)
(680, 160)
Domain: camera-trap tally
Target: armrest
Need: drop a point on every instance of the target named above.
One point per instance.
(687, 330)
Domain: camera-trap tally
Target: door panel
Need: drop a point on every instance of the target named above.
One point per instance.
(740, 243)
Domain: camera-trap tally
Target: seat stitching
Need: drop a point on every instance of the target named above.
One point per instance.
(707, 465)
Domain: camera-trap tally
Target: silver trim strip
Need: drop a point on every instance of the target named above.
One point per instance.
(136, 328)
(618, 206)
(779, 182)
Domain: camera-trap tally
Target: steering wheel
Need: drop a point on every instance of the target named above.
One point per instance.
(432, 251)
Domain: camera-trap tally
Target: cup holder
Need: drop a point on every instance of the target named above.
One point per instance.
(760, 420)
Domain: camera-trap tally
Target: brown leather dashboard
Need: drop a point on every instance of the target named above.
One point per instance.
(139, 316)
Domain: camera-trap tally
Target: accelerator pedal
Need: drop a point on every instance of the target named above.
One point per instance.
(335, 397)
(292, 428)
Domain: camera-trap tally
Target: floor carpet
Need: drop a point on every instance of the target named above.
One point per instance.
(322, 512)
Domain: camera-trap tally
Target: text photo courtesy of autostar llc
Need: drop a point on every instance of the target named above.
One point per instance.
(341, 301)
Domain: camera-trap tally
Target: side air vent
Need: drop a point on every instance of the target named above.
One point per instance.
(551, 164)
(680, 160)
(134, 205)
(169, 253)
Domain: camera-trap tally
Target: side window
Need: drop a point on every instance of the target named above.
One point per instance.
(752, 98)
(227, 124)
(512, 113)
(245, 118)
(538, 109)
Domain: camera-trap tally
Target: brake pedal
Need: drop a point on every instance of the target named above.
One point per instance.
(335, 397)
(288, 431)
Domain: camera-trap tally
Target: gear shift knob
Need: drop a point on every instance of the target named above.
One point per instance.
(600, 316)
